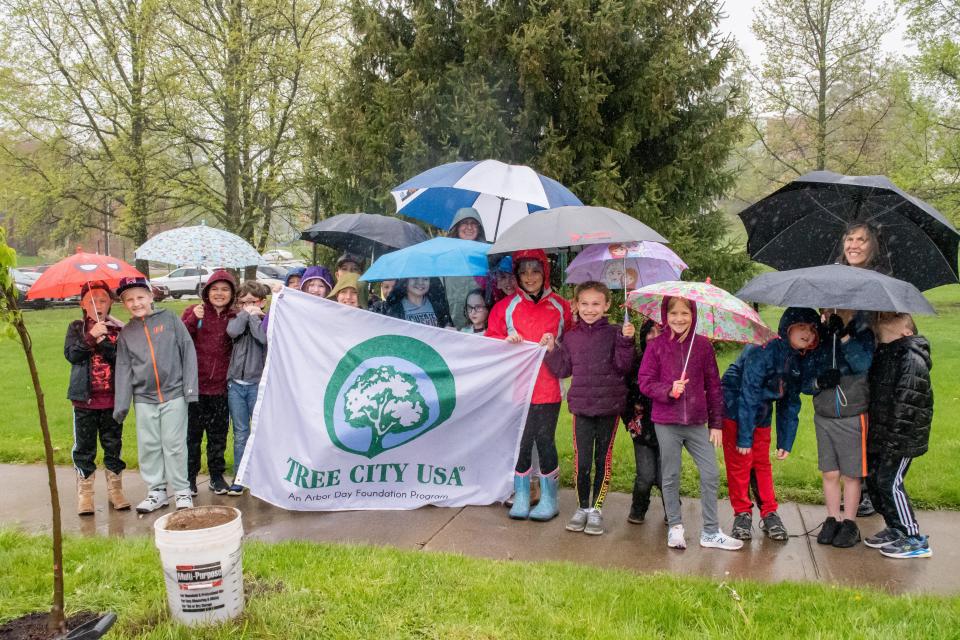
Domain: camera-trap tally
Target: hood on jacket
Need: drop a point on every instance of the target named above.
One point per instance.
(465, 213)
(799, 315)
(221, 275)
(532, 254)
(920, 346)
(312, 273)
(664, 306)
(296, 272)
(346, 281)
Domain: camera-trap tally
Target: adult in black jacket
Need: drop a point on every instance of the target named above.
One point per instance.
(409, 302)
(901, 411)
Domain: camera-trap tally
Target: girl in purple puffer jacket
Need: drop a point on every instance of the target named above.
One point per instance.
(679, 374)
(598, 355)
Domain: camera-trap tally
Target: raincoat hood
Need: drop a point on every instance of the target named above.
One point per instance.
(296, 272)
(312, 273)
(798, 315)
(465, 213)
(346, 281)
(221, 275)
(664, 306)
(532, 254)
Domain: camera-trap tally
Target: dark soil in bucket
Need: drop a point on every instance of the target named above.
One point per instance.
(33, 626)
(200, 518)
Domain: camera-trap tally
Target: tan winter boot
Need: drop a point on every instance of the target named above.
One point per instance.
(115, 492)
(85, 496)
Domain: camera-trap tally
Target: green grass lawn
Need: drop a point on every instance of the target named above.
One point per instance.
(307, 590)
(934, 479)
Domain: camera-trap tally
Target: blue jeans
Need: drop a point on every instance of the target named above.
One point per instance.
(241, 399)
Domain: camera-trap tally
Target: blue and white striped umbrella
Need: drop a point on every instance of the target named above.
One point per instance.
(502, 193)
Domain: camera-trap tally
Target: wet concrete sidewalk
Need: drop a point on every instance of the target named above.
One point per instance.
(487, 532)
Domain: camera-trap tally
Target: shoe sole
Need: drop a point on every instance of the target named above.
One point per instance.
(575, 528)
(157, 508)
(219, 492)
(909, 554)
(845, 546)
(877, 545)
(779, 537)
(716, 545)
(123, 507)
(677, 546)
(234, 493)
(635, 520)
(741, 536)
(593, 532)
(543, 518)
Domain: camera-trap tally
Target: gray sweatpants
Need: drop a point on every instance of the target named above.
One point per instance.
(673, 438)
(162, 444)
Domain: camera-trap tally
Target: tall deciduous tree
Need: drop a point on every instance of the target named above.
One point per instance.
(623, 102)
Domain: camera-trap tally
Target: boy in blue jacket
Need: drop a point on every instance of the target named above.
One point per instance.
(761, 377)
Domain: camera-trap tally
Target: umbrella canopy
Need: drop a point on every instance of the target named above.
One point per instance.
(365, 234)
(626, 266)
(802, 224)
(439, 257)
(574, 226)
(502, 193)
(65, 278)
(199, 245)
(836, 286)
(720, 315)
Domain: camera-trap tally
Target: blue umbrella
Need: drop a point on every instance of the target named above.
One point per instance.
(439, 257)
(501, 193)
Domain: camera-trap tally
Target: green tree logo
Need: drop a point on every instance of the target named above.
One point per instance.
(385, 400)
(386, 392)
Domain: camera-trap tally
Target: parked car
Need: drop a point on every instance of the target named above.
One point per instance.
(23, 280)
(184, 281)
(271, 275)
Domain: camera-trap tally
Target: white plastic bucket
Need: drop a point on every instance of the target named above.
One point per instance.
(202, 567)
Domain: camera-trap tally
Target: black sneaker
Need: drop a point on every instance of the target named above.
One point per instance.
(742, 526)
(848, 536)
(828, 531)
(218, 485)
(883, 538)
(772, 525)
(865, 508)
(636, 516)
(193, 487)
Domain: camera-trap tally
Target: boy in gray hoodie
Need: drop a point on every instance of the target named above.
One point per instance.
(156, 368)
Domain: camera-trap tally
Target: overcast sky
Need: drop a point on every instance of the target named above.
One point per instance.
(740, 15)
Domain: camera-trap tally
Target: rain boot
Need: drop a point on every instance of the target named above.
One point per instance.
(547, 509)
(115, 492)
(521, 496)
(534, 490)
(85, 495)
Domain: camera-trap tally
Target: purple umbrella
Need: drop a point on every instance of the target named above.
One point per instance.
(626, 265)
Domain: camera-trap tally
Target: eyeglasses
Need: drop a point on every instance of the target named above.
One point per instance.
(480, 307)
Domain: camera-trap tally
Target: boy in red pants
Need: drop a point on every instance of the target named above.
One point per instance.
(760, 377)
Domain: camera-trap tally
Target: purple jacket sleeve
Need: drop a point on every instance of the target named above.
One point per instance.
(558, 361)
(624, 354)
(649, 376)
(711, 380)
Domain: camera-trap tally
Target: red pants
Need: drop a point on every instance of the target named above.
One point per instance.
(739, 467)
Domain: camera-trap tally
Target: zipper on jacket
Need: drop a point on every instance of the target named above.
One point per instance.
(153, 358)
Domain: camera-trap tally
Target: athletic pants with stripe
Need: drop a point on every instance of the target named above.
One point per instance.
(889, 496)
(593, 438)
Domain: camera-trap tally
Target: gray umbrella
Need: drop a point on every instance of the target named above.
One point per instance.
(836, 286)
(573, 226)
(365, 234)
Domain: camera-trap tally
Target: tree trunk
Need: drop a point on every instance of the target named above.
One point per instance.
(822, 37)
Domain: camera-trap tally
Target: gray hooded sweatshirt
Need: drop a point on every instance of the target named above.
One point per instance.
(156, 362)
(249, 347)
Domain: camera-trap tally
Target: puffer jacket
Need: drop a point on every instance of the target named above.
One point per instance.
(520, 314)
(764, 376)
(598, 356)
(663, 362)
(210, 337)
(901, 398)
(79, 348)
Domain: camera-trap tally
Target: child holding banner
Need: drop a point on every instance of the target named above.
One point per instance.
(598, 355)
(530, 314)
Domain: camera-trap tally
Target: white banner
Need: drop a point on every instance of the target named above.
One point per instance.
(361, 411)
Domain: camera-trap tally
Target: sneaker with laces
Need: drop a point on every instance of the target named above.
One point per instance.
(828, 531)
(578, 521)
(908, 547)
(865, 508)
(848, 535)
(676, 538)
(742, 526)
(720, 540)
(772, 525)
(218, 485)
(594, 523)
(156, 499)
(236, 490)
(883, 538)
(184, 500)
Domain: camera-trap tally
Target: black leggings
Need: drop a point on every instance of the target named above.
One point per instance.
(593, 438)
(211, 415)
(540, 428)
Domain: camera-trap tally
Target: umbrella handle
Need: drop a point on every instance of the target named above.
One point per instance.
(626, 309)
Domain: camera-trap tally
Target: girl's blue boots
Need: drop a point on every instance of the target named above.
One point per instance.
(521, 496)
(548, 508)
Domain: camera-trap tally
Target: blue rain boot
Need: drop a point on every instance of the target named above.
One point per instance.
(521, 496)
(548, 508)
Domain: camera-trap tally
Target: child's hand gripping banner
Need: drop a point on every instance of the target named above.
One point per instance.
(361, 411)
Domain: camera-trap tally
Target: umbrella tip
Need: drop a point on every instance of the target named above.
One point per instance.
(79, 248)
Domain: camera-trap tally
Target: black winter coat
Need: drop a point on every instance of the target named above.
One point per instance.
(901, 398)
(78, 351)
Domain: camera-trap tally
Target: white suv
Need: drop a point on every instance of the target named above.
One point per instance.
(185, 280)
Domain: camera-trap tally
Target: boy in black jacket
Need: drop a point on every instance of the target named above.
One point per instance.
(901, 410)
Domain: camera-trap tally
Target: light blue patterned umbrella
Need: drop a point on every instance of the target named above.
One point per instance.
(199, 245)
(439, 257)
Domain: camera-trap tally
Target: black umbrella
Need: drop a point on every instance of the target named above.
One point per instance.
(802, 225)
(835, 286)
(365, 234)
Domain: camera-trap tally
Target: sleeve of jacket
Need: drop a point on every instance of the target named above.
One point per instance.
(123, 382)
(624, 354)
(238, 324)
(712, 383)
(558, 361)
(858, 352)
(648, 378)
(258, 330)
(788, 417)
(730, 386)
(497, 321)
(188, 360)
(189, 320)
(751, 398)
(76, 348)
(913, 407)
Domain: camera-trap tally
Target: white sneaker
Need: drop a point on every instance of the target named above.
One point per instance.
(720, 540)
(184, 500)
(156, 499)
(676, 538)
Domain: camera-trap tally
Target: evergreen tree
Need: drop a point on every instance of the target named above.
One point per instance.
(623, 101)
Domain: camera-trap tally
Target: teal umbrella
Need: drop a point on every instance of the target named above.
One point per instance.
(439, 257)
